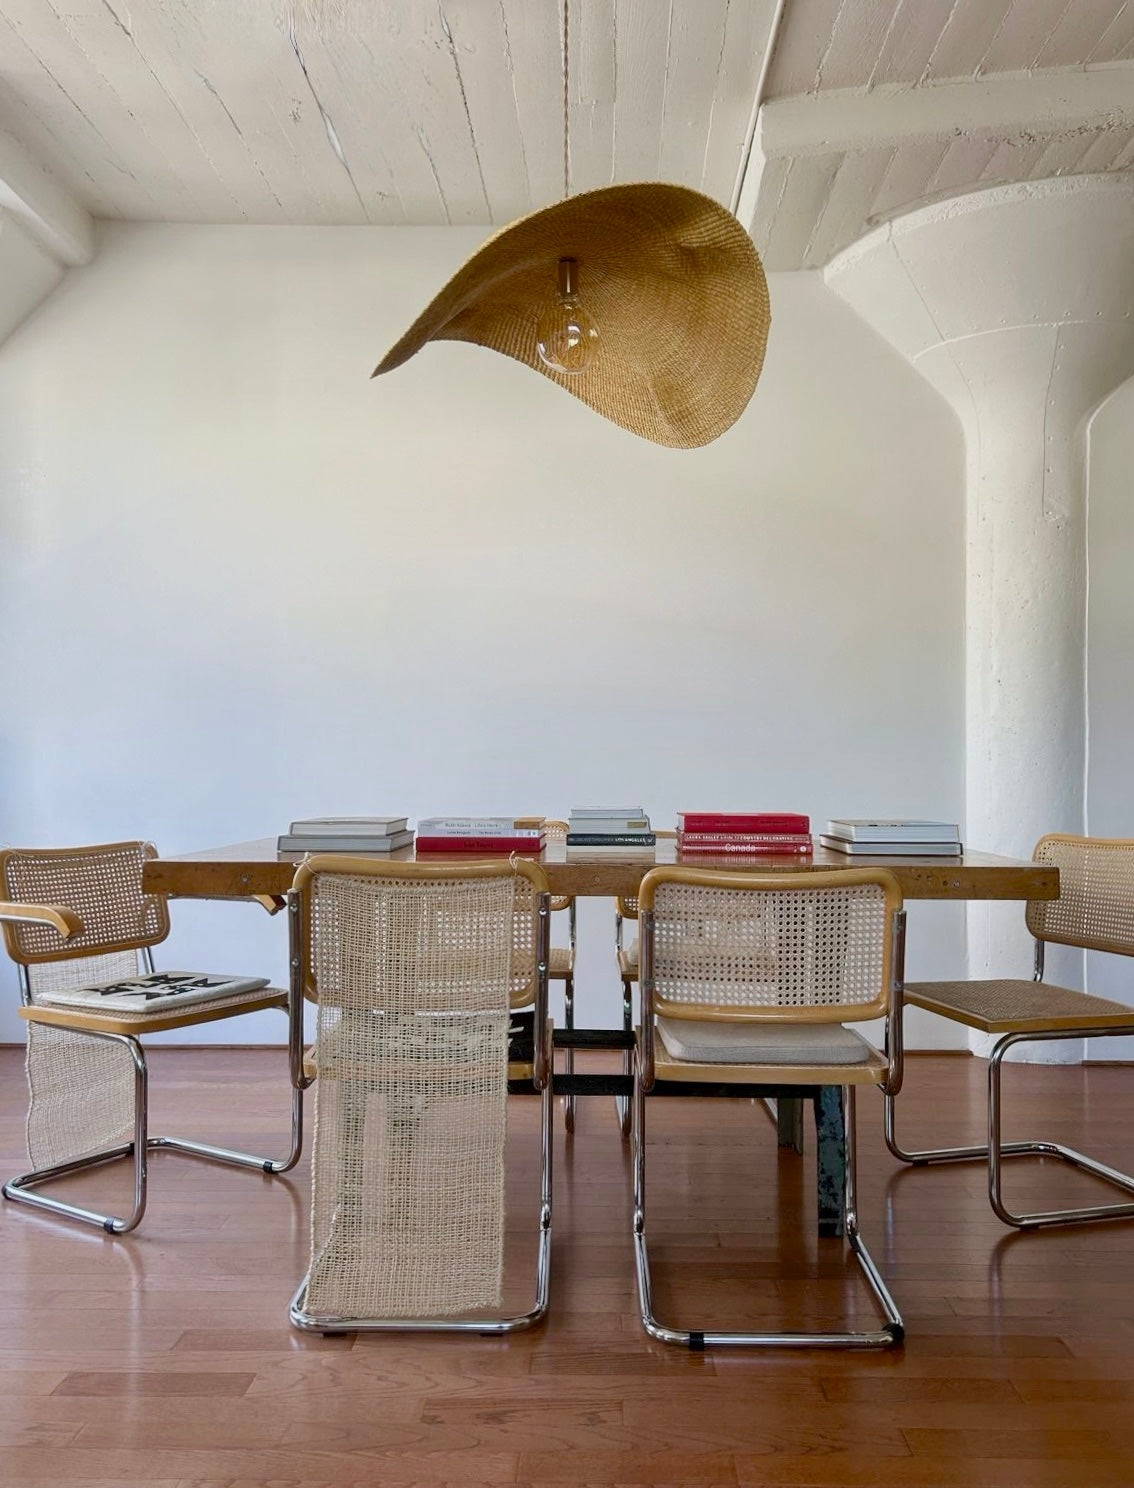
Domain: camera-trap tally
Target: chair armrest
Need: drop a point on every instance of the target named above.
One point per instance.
(65, 920)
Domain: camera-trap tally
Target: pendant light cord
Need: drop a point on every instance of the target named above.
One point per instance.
(566, 101)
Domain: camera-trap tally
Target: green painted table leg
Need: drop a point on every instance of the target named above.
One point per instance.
(831, 1158)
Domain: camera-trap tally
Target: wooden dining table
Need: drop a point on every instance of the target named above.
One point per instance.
(256, 870)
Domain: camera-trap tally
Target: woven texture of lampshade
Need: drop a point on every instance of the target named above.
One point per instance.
(669, 277)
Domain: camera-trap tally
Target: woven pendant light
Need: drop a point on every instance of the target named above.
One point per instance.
(666, 304)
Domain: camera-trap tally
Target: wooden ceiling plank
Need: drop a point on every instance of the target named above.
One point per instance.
(1014, 160)
(1026, 31)
(910, 42)
(773, 184)
(844, 213)
(1124, 156)
(808, 184)
(41, 93)
(592, 75)
(965, 38)
(1062, 154)
(533, 32)
(1117, 41)
(748, 24)
(1079, 31)
(911, 165)
(860, 34)
(482, 49)
(963, 163)
(1101, 153)
(46, 145)
(696, 42)
(641, 45)
(804, 41)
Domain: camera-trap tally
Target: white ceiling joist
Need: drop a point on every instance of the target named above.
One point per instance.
(49, 213)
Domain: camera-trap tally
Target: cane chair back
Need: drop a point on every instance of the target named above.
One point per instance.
(730, 947)
(1095, 908)
(412, 967)
(556, 831)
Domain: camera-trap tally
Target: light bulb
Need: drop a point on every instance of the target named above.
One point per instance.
(566, 337)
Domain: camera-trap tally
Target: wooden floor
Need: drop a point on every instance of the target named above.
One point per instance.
(166, 1358)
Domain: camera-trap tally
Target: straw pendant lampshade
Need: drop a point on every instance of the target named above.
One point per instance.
(668, 278)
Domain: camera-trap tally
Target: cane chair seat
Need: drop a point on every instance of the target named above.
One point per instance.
(561, 963)
(628, 961)
(687, 1041)
(156, 1021)
(1094, 912)
(1017, 1006)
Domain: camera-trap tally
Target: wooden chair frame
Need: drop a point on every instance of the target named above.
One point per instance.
(789, 1080)
(127, 1030)
(304, 985)
(1096, 1018)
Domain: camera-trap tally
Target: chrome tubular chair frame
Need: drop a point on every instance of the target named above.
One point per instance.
(300, 1314)
(1108, 1020)
(892, 1330)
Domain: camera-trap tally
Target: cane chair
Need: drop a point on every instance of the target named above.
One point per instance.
(1095, 912)
(417, 971)
(561, 966)
(74, 918)
(748, 980)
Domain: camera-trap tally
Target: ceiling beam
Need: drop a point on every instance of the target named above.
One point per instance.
(1007, 105)
(46, 211)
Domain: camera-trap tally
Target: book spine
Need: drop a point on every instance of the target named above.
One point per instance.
(487, 828)
(607, 824)
(479, 844)
(712, 821)
(745, 850)
(611, 839)
(709, 839)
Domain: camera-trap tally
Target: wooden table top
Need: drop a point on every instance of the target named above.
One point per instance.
(243, 869)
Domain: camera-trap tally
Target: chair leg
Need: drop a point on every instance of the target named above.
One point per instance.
(301, 1316)
(569, 1061)
(996, 1150)
(622, 1103)
(890, 1333)
(21, 1189)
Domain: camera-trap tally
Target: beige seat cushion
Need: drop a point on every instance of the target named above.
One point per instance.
(762, 1043)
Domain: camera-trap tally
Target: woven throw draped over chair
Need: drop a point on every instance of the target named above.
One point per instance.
(76, 917)
(749, 980)
(416, 970)
(1094, 911)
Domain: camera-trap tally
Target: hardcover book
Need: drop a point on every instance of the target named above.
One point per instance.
(891, 849)
(530, 844)
(757, 839)
(477, 826)
(156, 991)
(898, 830)
(581, 811)
(346, 842)
(611, 839)
(742, 821)
(745, 849)
(343, 826)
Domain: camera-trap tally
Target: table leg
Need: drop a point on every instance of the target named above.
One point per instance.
(789, 1123)
(831, 1159)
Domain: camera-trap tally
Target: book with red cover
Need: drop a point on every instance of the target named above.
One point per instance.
(742, 821)
(755, 839)
(728, 849)
(531, 846)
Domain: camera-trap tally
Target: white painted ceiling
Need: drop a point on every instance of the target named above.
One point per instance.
(450, 111)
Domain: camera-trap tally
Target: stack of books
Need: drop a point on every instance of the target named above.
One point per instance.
(893, 839)
(618, 831)
(483, 835)
(346, 834)
(742, 833)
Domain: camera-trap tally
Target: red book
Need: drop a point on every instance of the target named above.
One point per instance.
(743, 850)
(743, 839)
(527, 846)
(742, 821)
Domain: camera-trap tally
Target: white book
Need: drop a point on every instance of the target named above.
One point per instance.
(154, 992)
(347, 842)
(343, 826)
(477, 826)
(891, 849)
(617, 812)
(609, 824)
(901, 829)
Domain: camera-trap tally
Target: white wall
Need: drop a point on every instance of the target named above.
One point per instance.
(28, 274)
(239, 582)
(1110, 665)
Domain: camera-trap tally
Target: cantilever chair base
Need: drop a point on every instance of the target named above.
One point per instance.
(995, 1150)
(23, 1189)
(890, 1333)
(312, 1322)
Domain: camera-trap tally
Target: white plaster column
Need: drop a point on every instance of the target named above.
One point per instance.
(1017, 303)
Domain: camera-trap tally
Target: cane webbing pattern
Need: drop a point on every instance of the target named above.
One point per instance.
(1095, 908)
(1008, 1006)
(103, 885)
(556, 831)
(770, 950)
(522, 982)
(81, 1093)
(413, 981)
